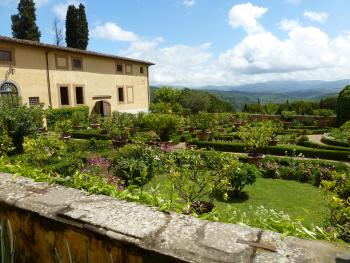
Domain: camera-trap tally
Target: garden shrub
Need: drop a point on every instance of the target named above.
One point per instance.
(57, 115)
(85, 135)
(323, 112)
(163, 124)
(42, 149)
(6, 145)
(235, 176)
(136, 164)
(343, 106)
(18, 121)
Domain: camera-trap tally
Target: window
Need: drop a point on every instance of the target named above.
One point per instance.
(34, 101)
(61, 62)
(120, 69)
(77, 63)
(5, 56)
(142, 71)
(121, 95)
(130, 94)
(79, 95)
(64, 94)
(128, 69)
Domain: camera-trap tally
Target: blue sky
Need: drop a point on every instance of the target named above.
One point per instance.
(214, 42)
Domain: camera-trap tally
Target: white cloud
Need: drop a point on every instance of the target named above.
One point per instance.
(294, 2)
(60, 9)
(288, 24)
(316, 16)
(112, 31)
(189, 3)
(246, 16)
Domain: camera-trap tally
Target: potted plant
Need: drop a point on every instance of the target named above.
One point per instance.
(273, 140)
(119, 136)
(242, 119)
(64, 128)
(163, 124)
(287, 118)
(95, 120)
(204, 124)
(78, 119)
(192, 127)
(255, 136)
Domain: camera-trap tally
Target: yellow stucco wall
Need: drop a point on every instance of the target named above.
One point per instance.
(98, 78)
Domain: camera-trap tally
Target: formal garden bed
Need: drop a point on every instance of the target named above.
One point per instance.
(130, 157)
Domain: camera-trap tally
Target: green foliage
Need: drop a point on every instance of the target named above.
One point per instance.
(256, 135)
(7, 242)
(79, 118)
(55, 115)
(339, 203)
(163, 124)
(235, 176)
(77, 31)
(18, 121)
(204, 121)
(166, 95)
(190, 176)
(345, 128)
(42, 149)
(288, 115)
(24, 23)
(323, 112)
(136, 164)
(63, 127)
(6, 145)
(343, 106)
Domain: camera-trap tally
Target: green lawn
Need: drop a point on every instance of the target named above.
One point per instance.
(296, 199)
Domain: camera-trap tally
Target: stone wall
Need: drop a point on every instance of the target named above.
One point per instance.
(321, 121)
(50, 219)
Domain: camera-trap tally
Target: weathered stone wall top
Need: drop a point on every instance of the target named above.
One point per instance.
(178, 236)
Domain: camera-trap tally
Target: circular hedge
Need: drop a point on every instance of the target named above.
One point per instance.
(343, 106)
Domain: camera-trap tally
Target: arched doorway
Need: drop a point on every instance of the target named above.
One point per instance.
(102, 108)
(8, 89)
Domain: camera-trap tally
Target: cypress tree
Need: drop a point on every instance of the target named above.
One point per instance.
(83, 29)
(343, 106)
(24, 23)
(71, 26)
(77, 29)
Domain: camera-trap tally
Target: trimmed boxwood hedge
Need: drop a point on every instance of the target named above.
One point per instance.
(280, 150)
(55, 115)
(324, 147)
(334, 142)
(88, 135)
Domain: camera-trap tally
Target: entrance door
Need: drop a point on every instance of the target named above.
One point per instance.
(102, 108)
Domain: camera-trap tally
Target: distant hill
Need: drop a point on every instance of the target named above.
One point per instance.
(277, 91)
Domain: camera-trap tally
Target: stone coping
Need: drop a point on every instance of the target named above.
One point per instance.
(179, 236)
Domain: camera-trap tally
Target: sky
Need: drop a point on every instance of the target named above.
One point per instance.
(198, 43)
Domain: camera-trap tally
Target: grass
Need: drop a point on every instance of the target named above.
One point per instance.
(296, 199)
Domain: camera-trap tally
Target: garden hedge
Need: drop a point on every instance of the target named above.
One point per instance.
(324, 147)
(281, 150)
(55, 115)
(329, 141)
(88, 135)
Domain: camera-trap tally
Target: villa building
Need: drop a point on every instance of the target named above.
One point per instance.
(55, 76)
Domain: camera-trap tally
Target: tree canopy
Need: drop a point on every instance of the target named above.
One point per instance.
(77, 28)
(24, 23)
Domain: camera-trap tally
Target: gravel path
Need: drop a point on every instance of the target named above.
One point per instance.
(316, 138)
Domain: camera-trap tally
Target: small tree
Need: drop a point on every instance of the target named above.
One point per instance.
(18, 121)
(58, 32)
(24, 23)
(256, 135)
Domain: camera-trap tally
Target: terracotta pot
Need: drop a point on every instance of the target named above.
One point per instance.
(273, 142)
(203, 136)
(255, 159)
(95, 125)
(191, 129)
(222, 129)
(118, 143)
(65, 137)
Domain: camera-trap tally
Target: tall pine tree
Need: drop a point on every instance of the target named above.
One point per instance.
(24, 23)
(71, 26)
(83, 28)
(77, 29)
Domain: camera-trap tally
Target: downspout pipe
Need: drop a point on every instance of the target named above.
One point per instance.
(48, 78)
